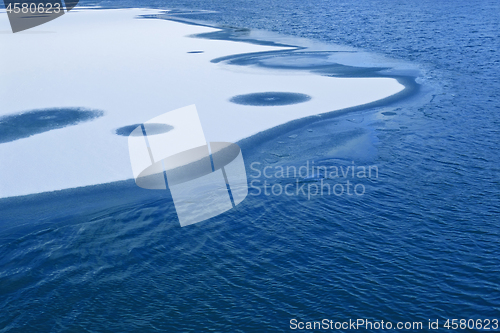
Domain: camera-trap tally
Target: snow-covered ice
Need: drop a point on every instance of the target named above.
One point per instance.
(134, 70)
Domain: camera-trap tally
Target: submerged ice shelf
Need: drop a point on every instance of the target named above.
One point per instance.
(135, 69)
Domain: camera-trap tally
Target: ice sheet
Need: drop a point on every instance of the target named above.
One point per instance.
(133, 70)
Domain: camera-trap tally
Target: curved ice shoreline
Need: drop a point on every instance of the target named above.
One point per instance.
(131, 71)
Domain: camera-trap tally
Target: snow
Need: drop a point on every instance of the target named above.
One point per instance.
(135, 70)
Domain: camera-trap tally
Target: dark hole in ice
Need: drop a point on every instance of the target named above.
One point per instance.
(25, 124)
(195, 51)
(270, 99)
(151, 129)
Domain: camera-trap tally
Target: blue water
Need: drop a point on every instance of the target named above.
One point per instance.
(421, 243)
(32, 122)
